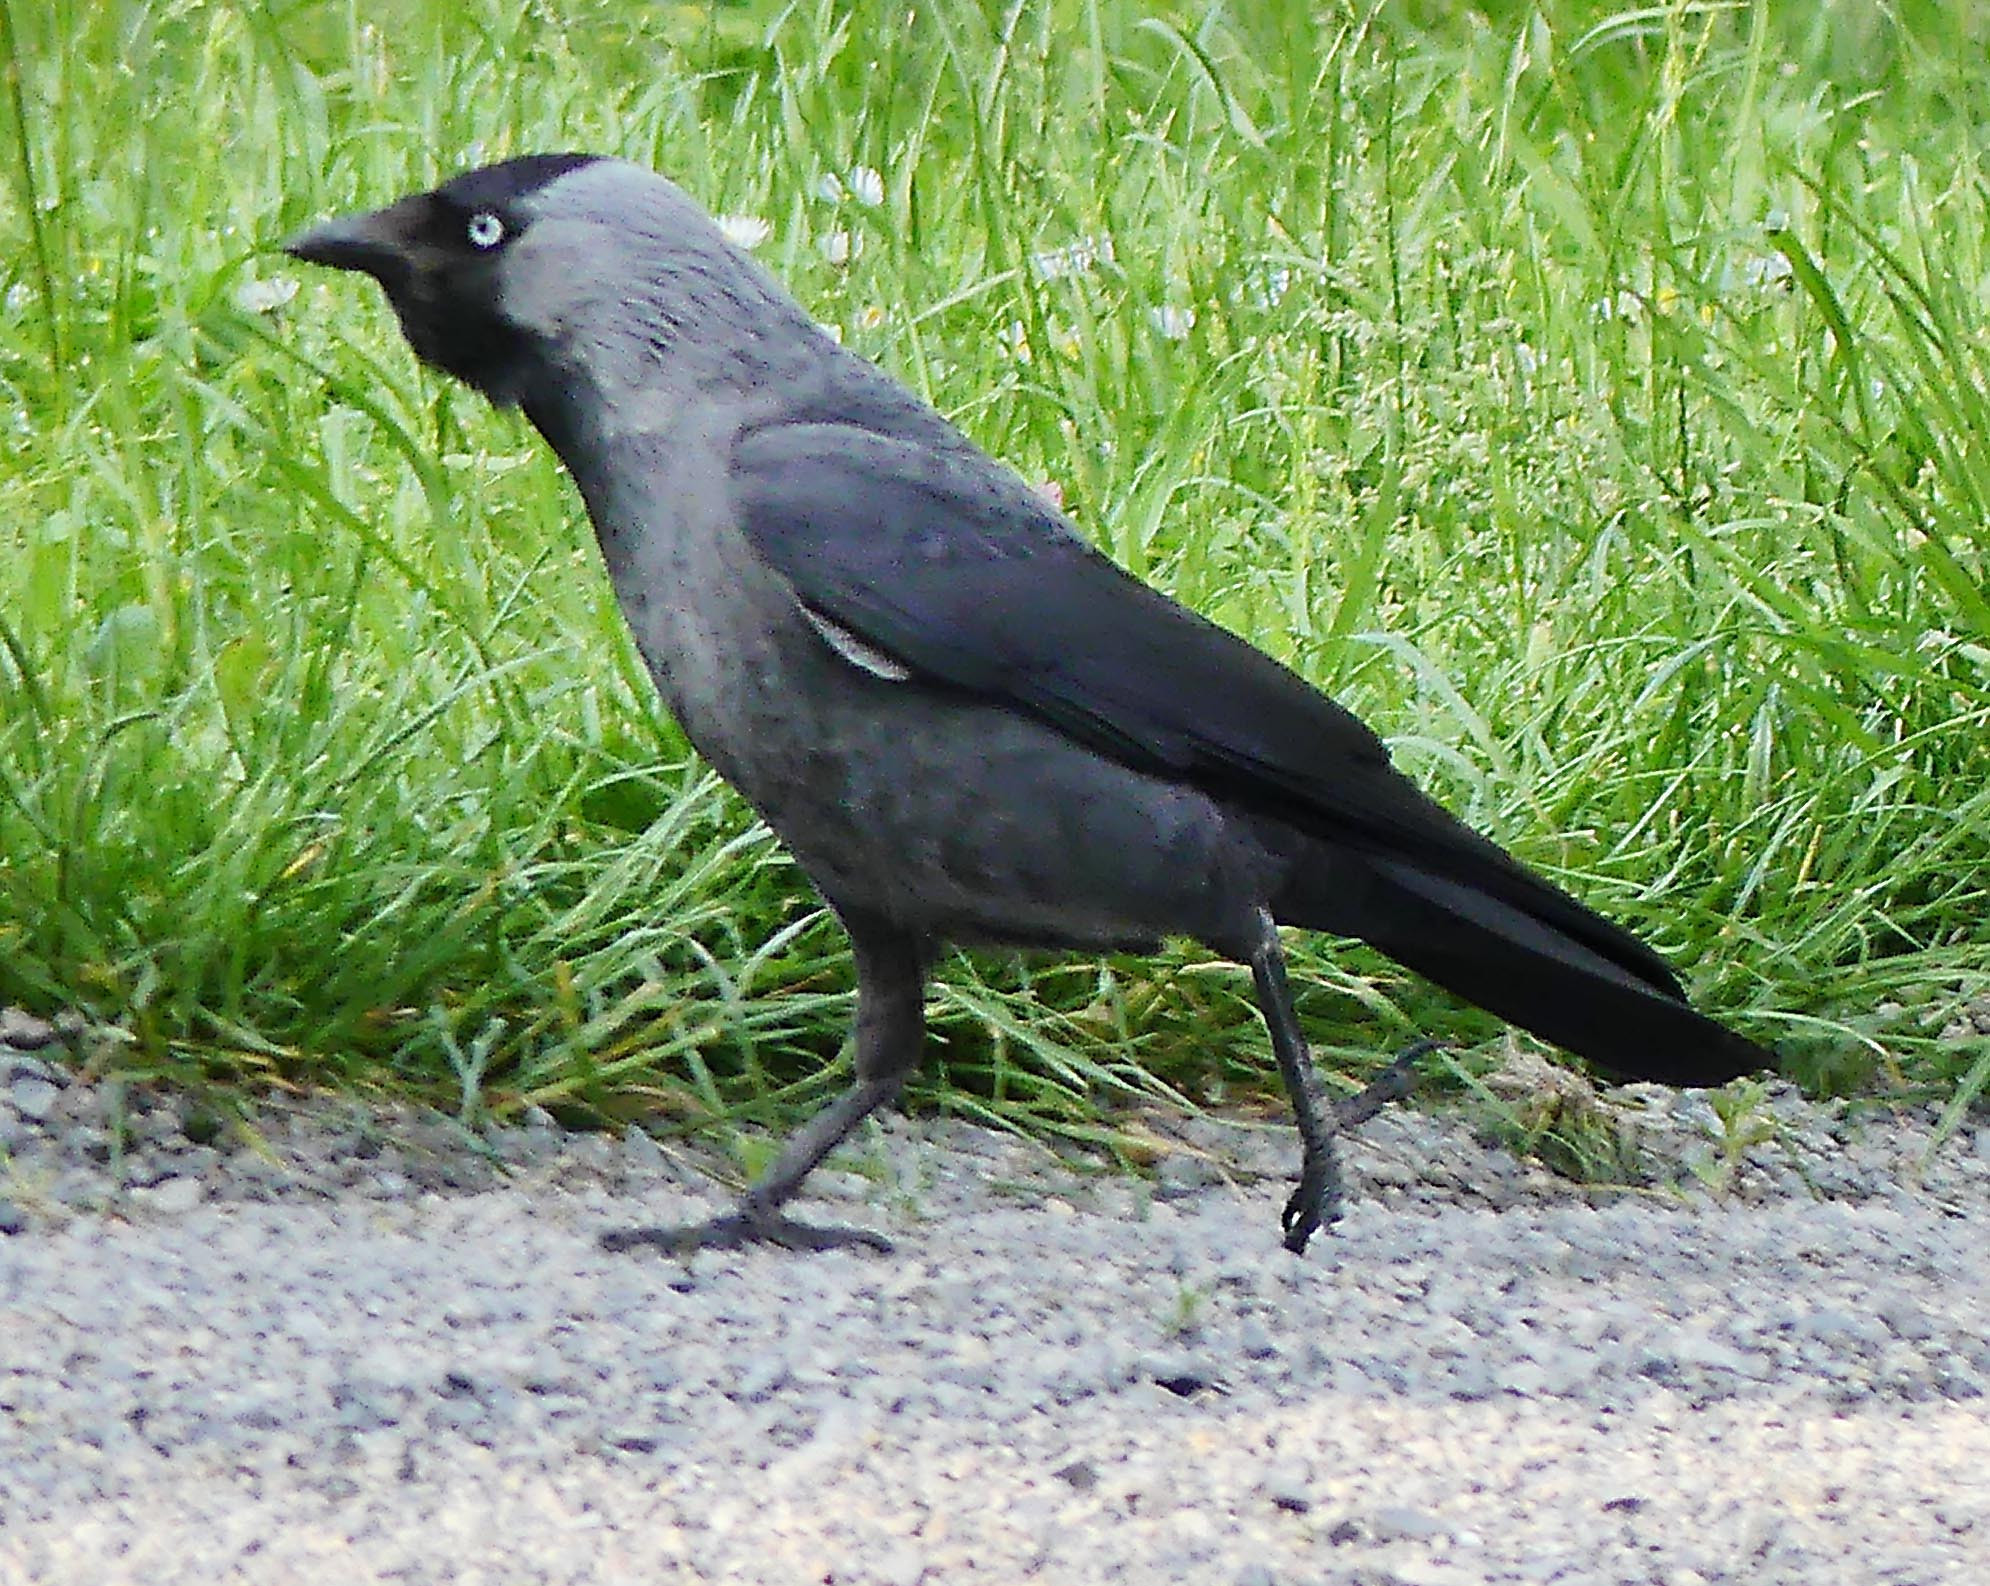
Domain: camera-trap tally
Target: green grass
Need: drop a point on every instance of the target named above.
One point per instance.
(1597, 402)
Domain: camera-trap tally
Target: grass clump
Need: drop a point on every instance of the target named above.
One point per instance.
(1595, 401)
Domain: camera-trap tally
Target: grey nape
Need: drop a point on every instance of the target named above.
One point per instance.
(967, 724)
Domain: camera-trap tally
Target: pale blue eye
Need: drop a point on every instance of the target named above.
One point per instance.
(485, 230)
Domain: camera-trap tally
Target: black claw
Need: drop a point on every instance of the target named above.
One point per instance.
(735, 1231)
(1315, 1204)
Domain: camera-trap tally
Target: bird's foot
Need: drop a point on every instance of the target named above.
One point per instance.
(1316, 1203)
(736, 1230)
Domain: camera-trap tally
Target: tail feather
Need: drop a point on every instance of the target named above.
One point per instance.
(1602, 995)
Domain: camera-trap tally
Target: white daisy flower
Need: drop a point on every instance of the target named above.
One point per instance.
(745, 231)
(866, 186)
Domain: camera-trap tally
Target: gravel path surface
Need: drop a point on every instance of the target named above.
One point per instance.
(390, 1351)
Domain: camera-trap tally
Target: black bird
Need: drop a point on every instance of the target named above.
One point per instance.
(967, 724)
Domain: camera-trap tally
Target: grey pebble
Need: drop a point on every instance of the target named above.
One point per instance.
(641, 1152)
(173, 1197)
(1470, 1380)
(18, 1065)
(24, 1032)
(1840, 1329)
(1904, 1319)
(1288, 1493)
(1181, 1173)
(635, 1438)
(1181, 1374)
(1399, 1523)
(1709, 1354)
(761, 1380)
(34, 1098)
(899, 1565)
(158, 1124)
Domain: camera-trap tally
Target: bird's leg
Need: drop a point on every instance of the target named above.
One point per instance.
(1317, 1200)
(891, 1026)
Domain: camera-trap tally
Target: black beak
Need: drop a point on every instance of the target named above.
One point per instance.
(371, 242)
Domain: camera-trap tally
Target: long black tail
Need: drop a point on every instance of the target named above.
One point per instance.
(1520, 947)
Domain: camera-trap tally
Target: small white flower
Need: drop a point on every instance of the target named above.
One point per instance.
(19, 296)
(1527, 358)
(866, 186)
(1016, 338)
(1755, 272)
(1077, 258)
(1271, 284)
(264, 297)
(1767, 270)
(840, 247)
(833, 332)
(1172, 322)
(1625, 305)
(745, 231)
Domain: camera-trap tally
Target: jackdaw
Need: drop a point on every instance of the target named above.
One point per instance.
(967, 724)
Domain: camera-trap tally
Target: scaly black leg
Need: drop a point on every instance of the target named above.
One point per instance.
(1317, 1200)
(891, 1026)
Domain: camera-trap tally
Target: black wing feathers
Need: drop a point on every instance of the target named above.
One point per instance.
(956, 568)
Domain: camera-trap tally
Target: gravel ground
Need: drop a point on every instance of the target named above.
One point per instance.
(381, 1348)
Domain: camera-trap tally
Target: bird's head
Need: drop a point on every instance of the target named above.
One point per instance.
(548, 271)
(452, 262)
